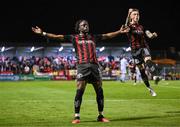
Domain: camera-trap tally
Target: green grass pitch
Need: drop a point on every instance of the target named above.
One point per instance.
(50, 104)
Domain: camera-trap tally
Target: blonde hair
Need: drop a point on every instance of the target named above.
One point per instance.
(129, 19)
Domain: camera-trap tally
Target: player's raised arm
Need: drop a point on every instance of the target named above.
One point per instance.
(39, 31)
(150, 35)
(122, 30)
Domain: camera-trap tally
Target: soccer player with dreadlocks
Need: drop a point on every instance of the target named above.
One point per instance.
(87, 65)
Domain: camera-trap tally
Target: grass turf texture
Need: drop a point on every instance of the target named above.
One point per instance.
(50, 104)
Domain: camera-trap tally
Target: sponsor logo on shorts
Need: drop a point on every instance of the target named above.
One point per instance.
(152, 68)
(136, 61)
(79, 75)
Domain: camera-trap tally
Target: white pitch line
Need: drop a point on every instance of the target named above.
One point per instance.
(168, 86)
(118, 100)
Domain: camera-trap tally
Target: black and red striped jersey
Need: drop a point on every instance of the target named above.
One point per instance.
(85, 47)
(136, 37)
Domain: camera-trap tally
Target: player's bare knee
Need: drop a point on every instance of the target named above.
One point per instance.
(99, 83)
(81, 85)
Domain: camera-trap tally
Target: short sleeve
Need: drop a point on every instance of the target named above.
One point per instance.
(68, 38)
(97, 37)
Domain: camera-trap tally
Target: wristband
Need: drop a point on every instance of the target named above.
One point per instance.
(44, 33)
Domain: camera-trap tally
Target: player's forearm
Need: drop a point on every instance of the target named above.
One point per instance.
(111, 34)
(50, 35)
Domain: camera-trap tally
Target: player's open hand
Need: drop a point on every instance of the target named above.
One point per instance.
(124, 29)
(130, 10)
(154, 34)
(37, 30)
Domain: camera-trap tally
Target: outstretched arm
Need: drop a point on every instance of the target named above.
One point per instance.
(150, 35)
(122, 30)
(39, 31)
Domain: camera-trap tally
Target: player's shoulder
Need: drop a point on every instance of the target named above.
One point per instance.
(142, 26)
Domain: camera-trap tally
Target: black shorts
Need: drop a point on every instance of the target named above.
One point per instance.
(139, 55)
(133, 70)
(88, 72)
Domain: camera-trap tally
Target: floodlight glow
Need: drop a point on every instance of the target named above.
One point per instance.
(32, 49)
(3, 48)
(101, 49)
(73, 50)
(128, 49)
(61, 48)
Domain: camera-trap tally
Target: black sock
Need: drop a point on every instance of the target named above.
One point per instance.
(152, 67)
(100, 116)
(77, 117)
(78, 100)
(135, 79)
(100, 99)
(144, 77)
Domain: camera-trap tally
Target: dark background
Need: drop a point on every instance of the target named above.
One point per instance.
(57, 16)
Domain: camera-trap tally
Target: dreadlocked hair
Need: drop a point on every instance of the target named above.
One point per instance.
(77, 25)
